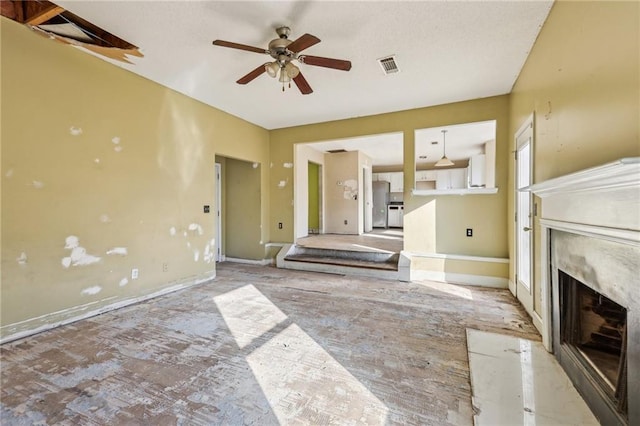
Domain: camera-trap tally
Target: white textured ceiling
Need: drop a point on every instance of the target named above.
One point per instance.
(447, 51)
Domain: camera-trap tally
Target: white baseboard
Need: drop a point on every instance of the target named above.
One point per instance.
(464, 279)
(52, 320)
(261, 262)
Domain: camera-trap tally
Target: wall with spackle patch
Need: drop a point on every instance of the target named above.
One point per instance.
(341, 192)
(119, 163)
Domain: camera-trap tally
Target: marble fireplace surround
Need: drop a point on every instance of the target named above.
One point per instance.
(590, 229)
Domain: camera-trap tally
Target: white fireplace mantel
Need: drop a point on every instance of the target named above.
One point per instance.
(601, 202)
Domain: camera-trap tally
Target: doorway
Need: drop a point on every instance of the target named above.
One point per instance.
(524, 216)
(315, 198)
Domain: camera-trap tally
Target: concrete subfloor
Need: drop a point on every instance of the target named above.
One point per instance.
(383, 240)
(260, 345)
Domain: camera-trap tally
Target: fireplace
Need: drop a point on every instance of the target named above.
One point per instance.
(590, 284)
(593, 327)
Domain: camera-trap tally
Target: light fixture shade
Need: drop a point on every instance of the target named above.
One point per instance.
(292, 70)
(272, 69)
(284, 77)
(444, 162)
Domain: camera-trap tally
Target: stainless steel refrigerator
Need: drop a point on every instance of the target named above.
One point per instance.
(380, 202)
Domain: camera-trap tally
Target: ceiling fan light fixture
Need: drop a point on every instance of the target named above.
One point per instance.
(292, 70)
(284, 78)
(444, 161)
(272, 69)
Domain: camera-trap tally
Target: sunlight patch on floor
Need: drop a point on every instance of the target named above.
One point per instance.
(248, 313)
(451, 289)
(297, 376)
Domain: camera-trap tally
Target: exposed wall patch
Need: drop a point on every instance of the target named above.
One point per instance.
(282, 184)
(350, 189)
(75, 131)
(9, 173)
(79, 255)
(22, 260)
(288, 165)
(122, 251)
(196, 255)
(37, 184)
(115, 140)
(209, 252)
(91, 290)
(124, 282)
(104, 218)
(117, 148)
(172, 231)
(196, 227)
(255, 165)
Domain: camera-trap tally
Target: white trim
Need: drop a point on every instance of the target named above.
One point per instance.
(623, 173)
(77, 317)
(457, 257)
(512, 287)
(546, 306)
(465, 279)
(275, 244)
(460, 191)
(625, 236)
(262, 262)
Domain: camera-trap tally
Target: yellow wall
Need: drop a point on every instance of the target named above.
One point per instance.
(432, 224)
(581, 81)
(56, 185)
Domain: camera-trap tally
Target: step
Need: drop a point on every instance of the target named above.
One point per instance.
(383, 265)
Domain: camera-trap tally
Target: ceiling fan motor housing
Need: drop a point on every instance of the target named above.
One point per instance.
(278, 47)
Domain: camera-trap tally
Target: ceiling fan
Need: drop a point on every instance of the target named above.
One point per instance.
(284, 51)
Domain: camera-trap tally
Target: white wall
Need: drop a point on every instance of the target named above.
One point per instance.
(342, 192)
(302, 154)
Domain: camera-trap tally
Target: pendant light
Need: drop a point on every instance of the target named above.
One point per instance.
(444, 161)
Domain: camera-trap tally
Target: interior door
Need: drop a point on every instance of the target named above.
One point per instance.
(524, 217)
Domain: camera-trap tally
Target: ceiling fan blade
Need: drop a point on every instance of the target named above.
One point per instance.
(238, 46)
(302, 84)
(252, 75)
(305, 41)
(319, 61)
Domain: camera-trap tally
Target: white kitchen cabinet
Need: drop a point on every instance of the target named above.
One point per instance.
(384, 177)
(451, 179)
(397, 182)
(477, 171)
(426, 175)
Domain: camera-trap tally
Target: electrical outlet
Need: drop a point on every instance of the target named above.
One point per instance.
(346, 221)
(134, 274)
(469, 232)
(279, 225)
(165, 267)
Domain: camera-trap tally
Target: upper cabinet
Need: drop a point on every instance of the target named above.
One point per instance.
(395, 179)
(397, 182)
(456, 159)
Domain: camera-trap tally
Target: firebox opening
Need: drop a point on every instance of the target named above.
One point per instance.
(594, 326)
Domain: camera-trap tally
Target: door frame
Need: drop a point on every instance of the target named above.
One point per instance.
(218, 183)
(367, 199)
(523, 137)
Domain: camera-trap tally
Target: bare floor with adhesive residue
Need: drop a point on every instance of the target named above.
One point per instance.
(263, 346)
